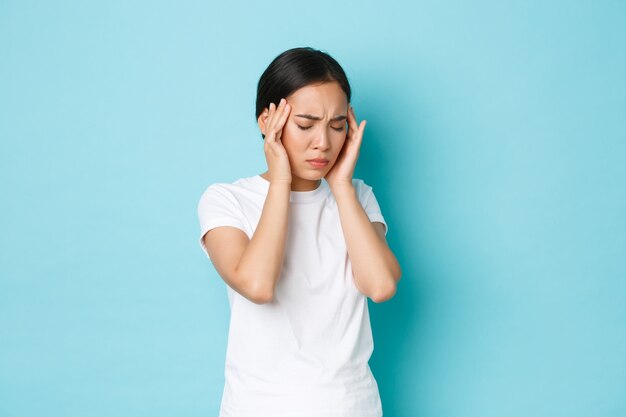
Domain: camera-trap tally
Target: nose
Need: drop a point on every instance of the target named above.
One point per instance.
(322, 141)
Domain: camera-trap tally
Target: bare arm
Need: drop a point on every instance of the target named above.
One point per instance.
(252, 266)
(376, 269)
(261, 262)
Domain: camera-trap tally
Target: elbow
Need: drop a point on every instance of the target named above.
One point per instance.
(260, 295)
(386, 293)
(253, 288)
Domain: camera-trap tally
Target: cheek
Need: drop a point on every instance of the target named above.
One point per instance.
(290, 129)
(291, 144)
(338, 144)
(294, 138)
(293, 131)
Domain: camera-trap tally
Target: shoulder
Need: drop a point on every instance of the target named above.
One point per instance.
(218, 190)
(236, 193)
(230, 188)
(359, 184)
(221, 192)
(361, 187)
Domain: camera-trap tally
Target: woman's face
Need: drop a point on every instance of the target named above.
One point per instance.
(315, 128)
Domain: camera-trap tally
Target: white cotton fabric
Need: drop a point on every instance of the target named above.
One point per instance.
(306, 353)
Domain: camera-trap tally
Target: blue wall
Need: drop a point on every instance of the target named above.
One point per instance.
(495, 143)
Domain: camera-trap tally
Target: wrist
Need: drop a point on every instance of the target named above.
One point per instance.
(342, 188)
(280, 185)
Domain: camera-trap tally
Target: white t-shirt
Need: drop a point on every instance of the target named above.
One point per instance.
(305, 353)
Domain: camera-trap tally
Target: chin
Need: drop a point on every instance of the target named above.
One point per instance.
(312, 174)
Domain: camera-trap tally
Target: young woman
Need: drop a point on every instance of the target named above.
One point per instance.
(300, 247)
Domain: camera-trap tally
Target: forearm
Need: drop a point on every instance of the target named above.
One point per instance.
(375, 268)
(262, 260)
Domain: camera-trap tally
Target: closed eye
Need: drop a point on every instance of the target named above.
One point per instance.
(338, 129)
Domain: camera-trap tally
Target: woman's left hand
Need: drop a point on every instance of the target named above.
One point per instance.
(343, 170)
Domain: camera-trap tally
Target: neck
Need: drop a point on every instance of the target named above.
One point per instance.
(299, 184)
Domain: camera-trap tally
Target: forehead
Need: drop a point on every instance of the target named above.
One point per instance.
(319, 97)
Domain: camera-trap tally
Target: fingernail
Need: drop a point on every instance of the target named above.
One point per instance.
(282, 100)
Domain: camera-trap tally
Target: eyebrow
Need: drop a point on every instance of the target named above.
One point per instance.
(311, 117)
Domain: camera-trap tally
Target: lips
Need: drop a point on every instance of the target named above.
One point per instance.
(319, 160)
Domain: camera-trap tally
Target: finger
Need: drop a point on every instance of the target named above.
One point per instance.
(277, 112)
(361, 130)
(278, 119)
(352, 120)
(284, 115)
(269, 121)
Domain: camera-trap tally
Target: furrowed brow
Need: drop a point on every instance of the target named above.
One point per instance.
(311, 117)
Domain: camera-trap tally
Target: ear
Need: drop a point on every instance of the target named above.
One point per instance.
(262, 120)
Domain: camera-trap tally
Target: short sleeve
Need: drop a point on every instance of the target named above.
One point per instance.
(370, 204)
(218, 207)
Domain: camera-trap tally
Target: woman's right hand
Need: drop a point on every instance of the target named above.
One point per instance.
(275, 153)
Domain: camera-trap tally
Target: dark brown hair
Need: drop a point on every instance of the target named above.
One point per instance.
(294, 69)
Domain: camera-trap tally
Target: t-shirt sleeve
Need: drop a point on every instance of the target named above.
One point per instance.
(218, 207)
(370, 204)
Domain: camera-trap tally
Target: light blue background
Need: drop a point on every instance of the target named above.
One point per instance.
(495, 143)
